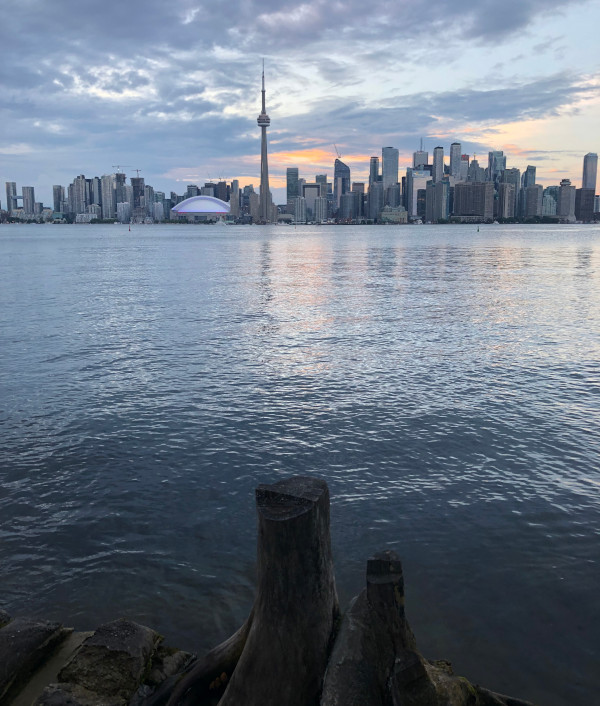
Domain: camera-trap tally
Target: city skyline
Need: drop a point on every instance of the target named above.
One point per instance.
(159, 89)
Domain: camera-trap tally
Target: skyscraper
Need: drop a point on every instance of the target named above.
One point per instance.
(455, 157)
(389, 166)
(11, 196)
(28, 200)
(496, 164)
(590, 169)
(263, 120)
(373, 170)
(438, 163)
(341, 180)
(58, 197)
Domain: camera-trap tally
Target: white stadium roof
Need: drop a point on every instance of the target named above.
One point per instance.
(202, 204)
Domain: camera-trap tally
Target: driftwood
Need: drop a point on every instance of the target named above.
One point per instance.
(294, 651)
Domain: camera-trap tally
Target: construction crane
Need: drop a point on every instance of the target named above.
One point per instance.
(337, 152)
(120, 167)
(138, 172)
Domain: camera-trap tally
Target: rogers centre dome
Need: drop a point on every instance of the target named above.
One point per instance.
(202, 204)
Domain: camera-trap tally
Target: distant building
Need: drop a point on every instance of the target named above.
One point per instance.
(464, 167)
(476, 173)
(375, 200)
(455, 159)
(565, 205)
(11, 197)
(438, 164)
(420, 159)
(507, 197)
(300, 209)
(341, 180)
(584, 205)
(590, 169)
(373, 170)
(416, 179)
(28, 200)
(389, 166)
(496, 165)
(533, 195)
(474, 201)
(436, 200)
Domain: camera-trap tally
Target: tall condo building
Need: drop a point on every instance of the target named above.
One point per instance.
(341, 180)
(263, 120)
(455, 157)
(292, 187)
(373, 170)
(28, 200)
(590, 169)
(389, 166)
(438, 164)
(11, 196)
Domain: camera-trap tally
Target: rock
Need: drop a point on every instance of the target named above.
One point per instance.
(4, 618)
(75, 695)
(113, 662)
(167, 662)
(24, 645)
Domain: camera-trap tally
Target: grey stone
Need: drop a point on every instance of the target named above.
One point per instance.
(75, 695)
(112, 662)
(24, 645)
(4, 618)
(167, 662)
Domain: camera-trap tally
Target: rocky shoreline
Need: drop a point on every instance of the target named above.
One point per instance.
(295, 649)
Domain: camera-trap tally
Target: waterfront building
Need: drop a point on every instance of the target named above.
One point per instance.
(58, 198)
(389, 166)
(455, 160)
(300, 209)
(528, 178)
(120, 191)
(138, 207)
(438, 164)
(596, 204)
(436, 200)
(109, 201)
(11, 197)
(590, 169)
(375, 200)
(474, 200)
(565, 205)
(507, 198)
(510, 176)
(416, 180)
(548, 203)
(264, 121)
(28, 200)
(311, 192)
(584, 205)
(320, 209)
(123, 212)
(533, 197)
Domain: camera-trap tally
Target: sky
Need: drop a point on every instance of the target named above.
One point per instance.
(173, 89)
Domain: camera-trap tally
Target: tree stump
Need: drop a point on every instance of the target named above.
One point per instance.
(285, 643)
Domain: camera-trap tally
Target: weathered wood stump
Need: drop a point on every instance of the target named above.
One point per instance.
(284, 646)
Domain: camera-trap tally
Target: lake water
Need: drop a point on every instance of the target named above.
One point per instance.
(444, 381)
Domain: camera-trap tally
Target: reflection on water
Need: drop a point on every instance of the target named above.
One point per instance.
(445, 383)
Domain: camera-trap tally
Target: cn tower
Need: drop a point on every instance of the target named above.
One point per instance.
(263, 122)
